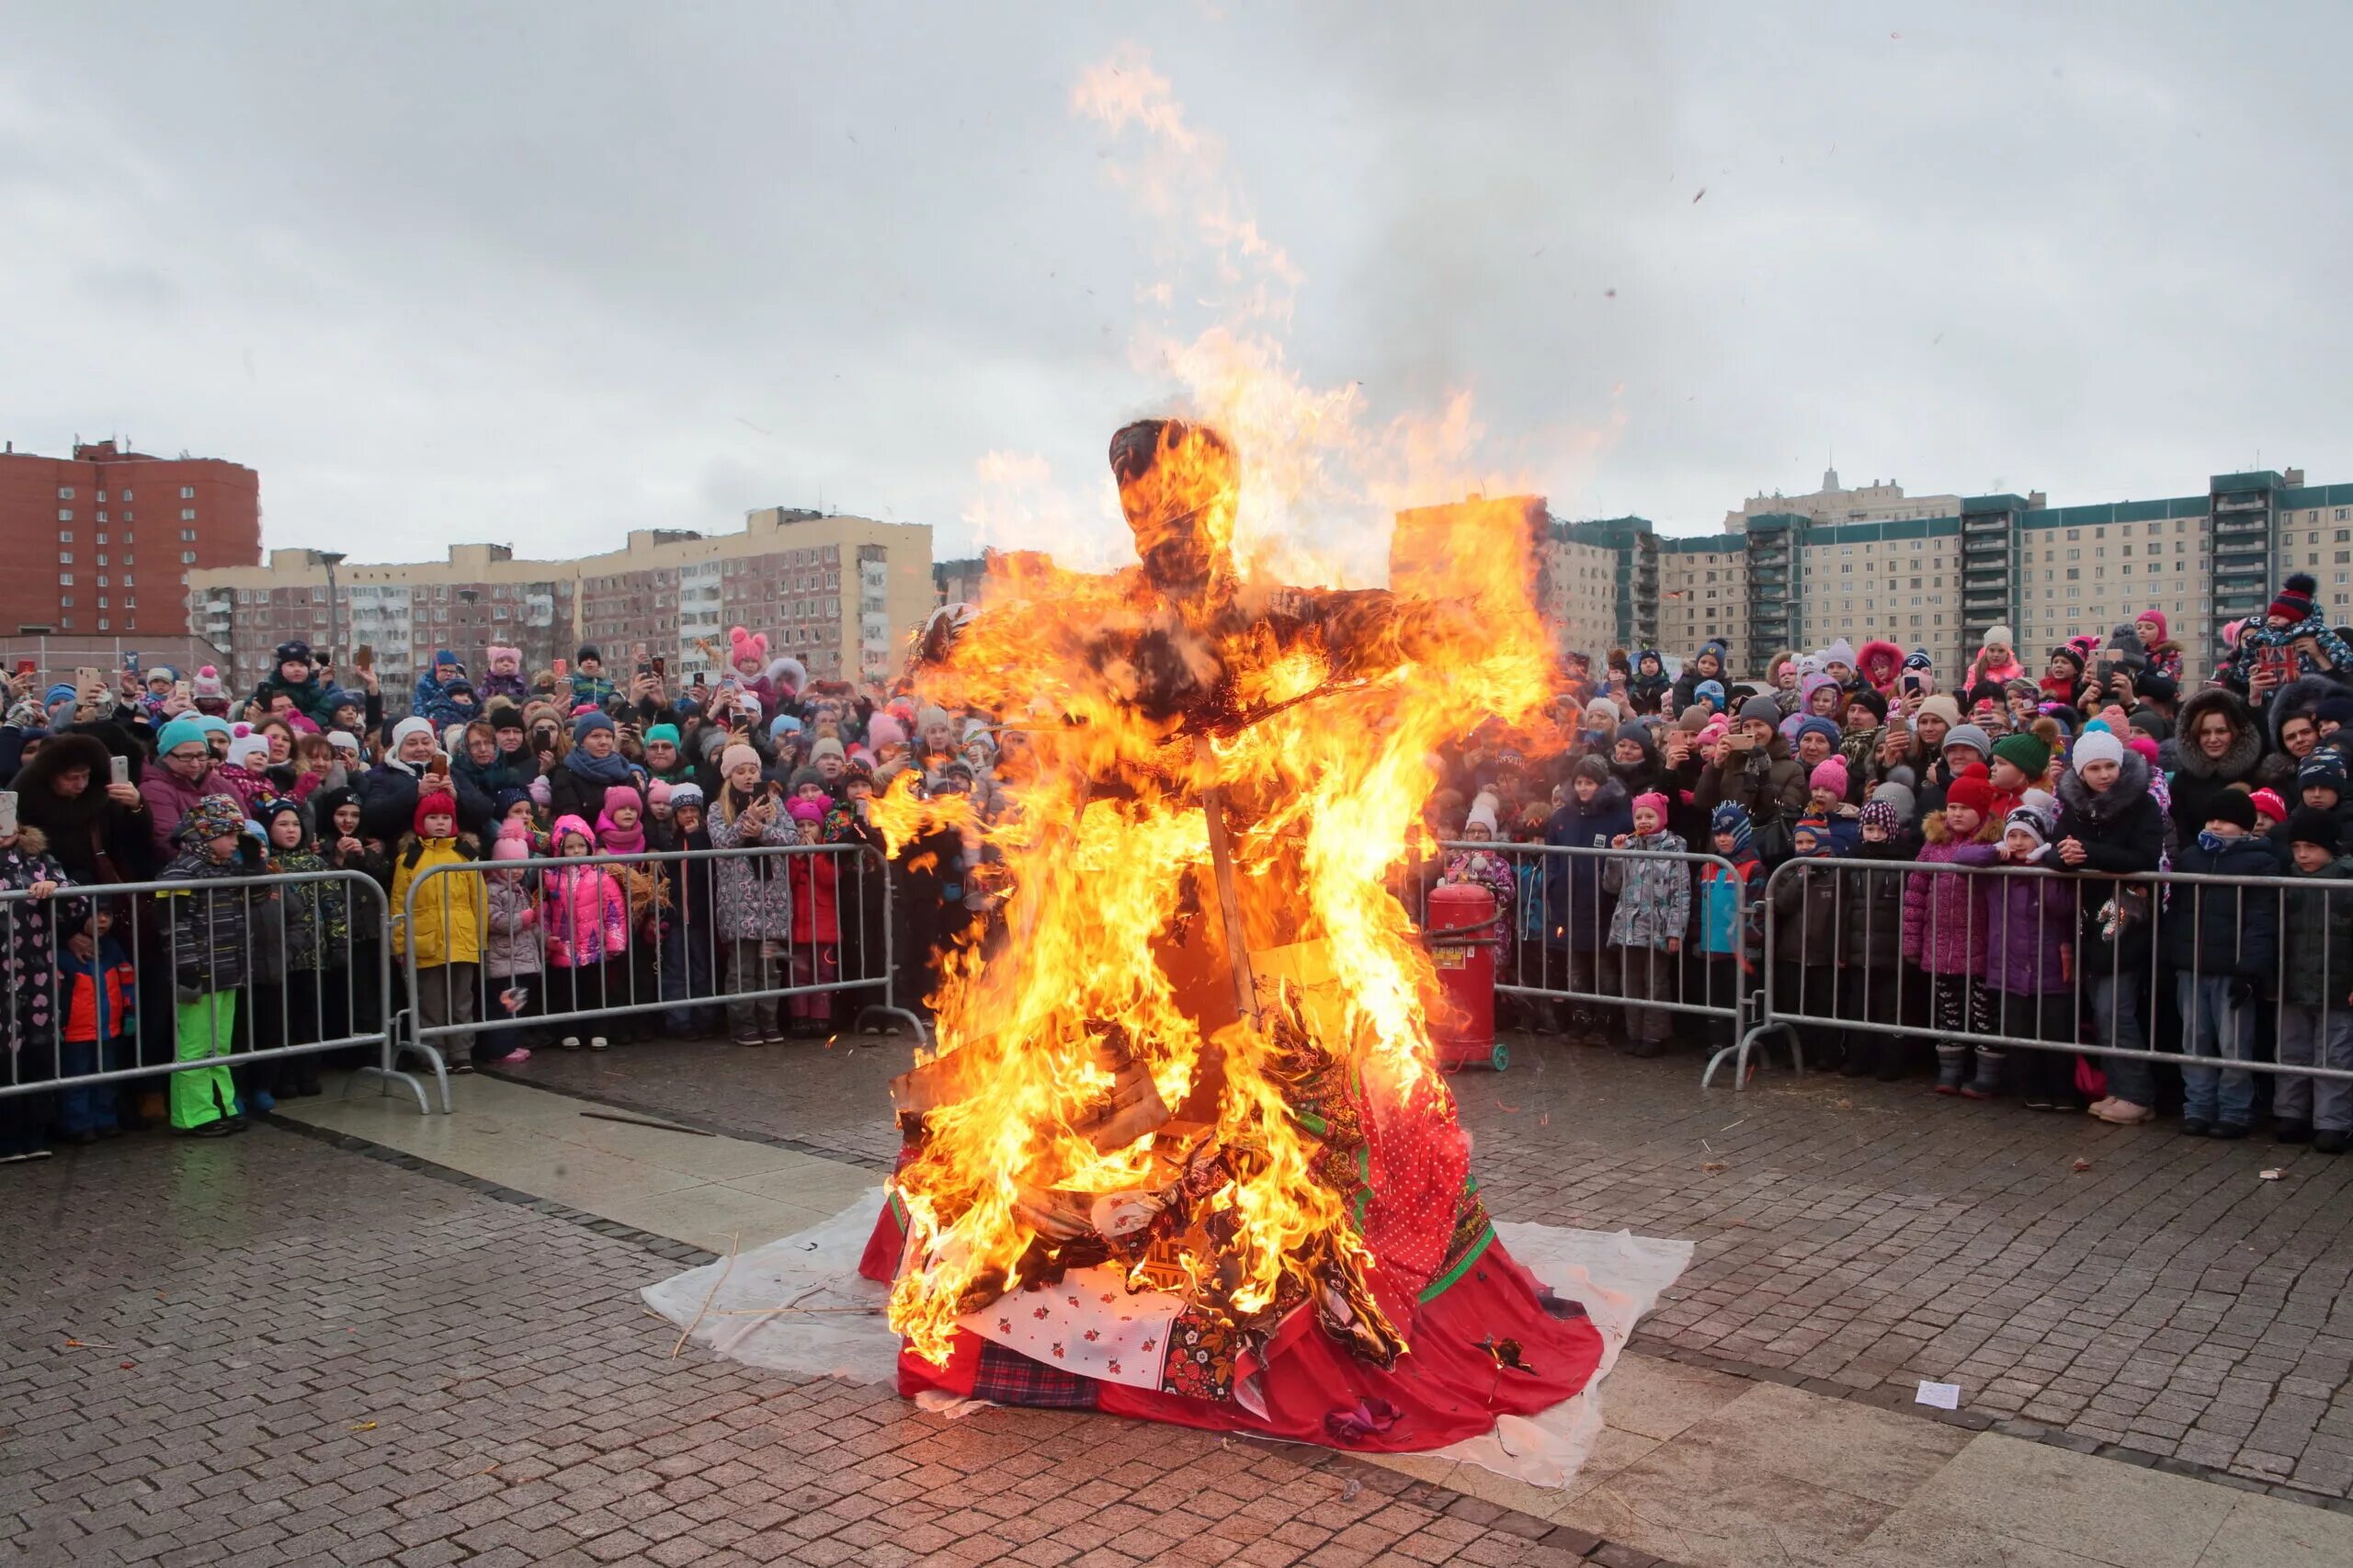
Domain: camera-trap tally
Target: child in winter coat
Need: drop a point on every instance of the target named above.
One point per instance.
(1944, 928)
(282, 1004)
(621, 830)
(506, 677)
(30, 1011)
(207, 934)
(586, 914)
(2031, 964)
(445, 929)
(511, 956)
(2292, 640)
(1487, 869)
(100, 1012)
(1648, 925)
(1729, 903)
(1806, 930)
(1870, 943)
(2316, 995)
(2222, 943)
(816, 923)
(689, 935)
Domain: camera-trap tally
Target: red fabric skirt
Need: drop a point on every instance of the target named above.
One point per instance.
(1449, 1385)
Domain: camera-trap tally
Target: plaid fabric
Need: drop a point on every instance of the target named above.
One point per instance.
(1010, 1378)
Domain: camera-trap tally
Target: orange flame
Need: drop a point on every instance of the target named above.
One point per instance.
(1100, 1045)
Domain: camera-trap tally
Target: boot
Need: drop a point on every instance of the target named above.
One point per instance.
(1988, 1082)
(1952, 1067)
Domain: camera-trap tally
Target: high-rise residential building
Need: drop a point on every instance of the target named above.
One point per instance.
(1939, 572)
(100, 544)
(840, 594)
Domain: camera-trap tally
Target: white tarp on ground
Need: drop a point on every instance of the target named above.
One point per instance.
(832, 1324)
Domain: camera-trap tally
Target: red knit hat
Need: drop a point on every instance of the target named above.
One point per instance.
(1972, 788)
(2295, 600)
(439, 802)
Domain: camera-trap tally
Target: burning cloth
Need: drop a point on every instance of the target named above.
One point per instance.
(1184, 1151)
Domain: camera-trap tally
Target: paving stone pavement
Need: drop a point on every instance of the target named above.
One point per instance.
(1865, 1236)
(292, 1355)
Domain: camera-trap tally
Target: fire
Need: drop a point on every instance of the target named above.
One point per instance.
(1098, 1057)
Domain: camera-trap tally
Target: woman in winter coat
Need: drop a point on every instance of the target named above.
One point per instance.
(183, 776)
(98, 829)
(2222, 746)
(1764, 779)
(2110, 824)
(576, 786)
(390, 790)
(1577, 907)
(755, 906)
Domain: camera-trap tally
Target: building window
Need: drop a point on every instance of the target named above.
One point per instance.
(65, 579)
(188, 513)
(65, 536)
(188, 557)
(188, 492)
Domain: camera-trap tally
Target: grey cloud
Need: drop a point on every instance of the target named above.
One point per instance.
(532, 273)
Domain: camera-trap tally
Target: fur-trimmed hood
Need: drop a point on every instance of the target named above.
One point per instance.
(2246, 745)
(1879, 662)
(2132, 784)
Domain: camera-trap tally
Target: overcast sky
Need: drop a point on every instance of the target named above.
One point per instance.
(537, 274)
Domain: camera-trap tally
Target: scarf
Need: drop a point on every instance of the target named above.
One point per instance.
(614, 841)
(610, 769)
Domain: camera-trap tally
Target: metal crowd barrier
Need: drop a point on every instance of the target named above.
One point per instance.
(2108, 1010)
(100, 972)
(1559, 951)
(693, 972)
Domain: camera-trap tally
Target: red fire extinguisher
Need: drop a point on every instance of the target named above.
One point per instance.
(1460, 930)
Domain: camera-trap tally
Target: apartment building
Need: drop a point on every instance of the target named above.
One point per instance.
(841, 594)
(1931, 572)
(100, 545)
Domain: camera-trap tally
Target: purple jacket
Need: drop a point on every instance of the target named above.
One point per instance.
(2026, 920)
(169, 799)
(1944, 920)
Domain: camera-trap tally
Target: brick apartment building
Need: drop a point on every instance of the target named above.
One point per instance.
(100, 544)
(839, 593)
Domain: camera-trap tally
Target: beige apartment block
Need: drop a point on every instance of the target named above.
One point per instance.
(841, 594)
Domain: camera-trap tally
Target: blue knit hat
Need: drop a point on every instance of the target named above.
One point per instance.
(1816, 724)
(177, 734)
(1732, 818)
(588, 724)
(2326, 767)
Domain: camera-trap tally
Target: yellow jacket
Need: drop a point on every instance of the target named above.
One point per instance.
(452, 910)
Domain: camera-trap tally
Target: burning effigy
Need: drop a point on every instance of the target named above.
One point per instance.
(1183, 1150)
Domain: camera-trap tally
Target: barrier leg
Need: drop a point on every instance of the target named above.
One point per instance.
(386, 1074)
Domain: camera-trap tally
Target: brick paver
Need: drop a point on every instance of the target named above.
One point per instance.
(289, 1353)
(2165, 1297)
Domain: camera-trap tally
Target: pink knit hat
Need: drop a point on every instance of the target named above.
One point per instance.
(1829, 774)
(512, 843)
(657, 793)
(806, 810)
(1650, 800)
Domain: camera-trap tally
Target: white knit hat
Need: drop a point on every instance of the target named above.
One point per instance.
(2096, 745)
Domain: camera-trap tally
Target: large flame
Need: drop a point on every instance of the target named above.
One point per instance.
(1093, 1044)
(1152, 697)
